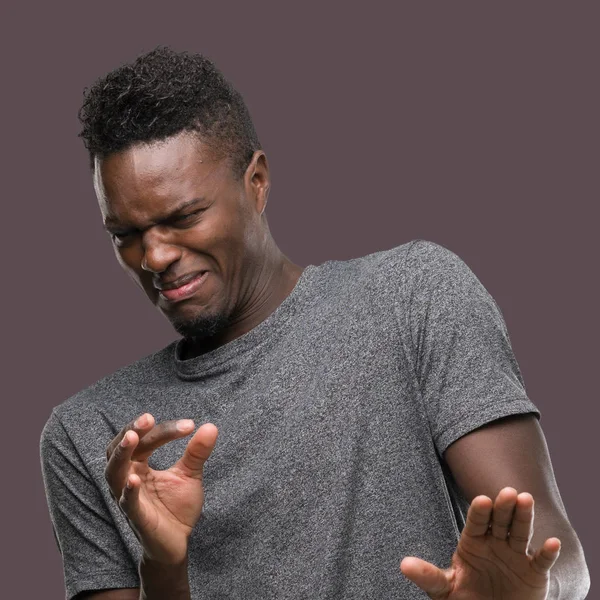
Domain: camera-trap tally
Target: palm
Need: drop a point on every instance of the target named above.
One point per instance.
(170, 502)
(489, 568)
(493, 558)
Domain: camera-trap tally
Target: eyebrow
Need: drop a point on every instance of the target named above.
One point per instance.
(112, 222)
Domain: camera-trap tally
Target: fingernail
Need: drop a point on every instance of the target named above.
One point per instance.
(185, 425)
(141, 421)
(125, 441)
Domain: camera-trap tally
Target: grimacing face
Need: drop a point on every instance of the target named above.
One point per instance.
(185, 228)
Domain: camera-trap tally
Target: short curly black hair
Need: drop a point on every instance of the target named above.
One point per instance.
(163, 93)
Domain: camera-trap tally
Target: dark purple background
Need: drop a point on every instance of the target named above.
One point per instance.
(471, 125)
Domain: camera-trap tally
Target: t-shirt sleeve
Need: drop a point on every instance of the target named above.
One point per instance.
(94, 555)
(463, 360)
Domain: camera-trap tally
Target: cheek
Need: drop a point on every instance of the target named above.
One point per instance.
(220, 234)
(239, 229)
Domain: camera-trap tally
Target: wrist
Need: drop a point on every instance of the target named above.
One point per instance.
(163, 561)
(164, 580)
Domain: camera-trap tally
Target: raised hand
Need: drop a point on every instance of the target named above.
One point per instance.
(493, 558)
(162, 506)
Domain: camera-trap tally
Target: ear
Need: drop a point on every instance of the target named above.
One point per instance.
(257, 181)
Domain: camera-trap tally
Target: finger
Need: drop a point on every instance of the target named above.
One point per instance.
(130, 499)
(545, 557)
(161, 434)
(521, 527)
(117, 468)
(197, 451)
(142, 425)
(502, 513)
(478, 517)
(428, 577)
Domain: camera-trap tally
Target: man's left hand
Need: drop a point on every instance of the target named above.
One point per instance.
(493, 558)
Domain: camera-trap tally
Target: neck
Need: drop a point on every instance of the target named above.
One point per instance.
(273, 283)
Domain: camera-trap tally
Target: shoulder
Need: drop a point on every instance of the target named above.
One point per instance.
(416, 257)
(406, 265)
(375, 283)
(427, 259)
(381, 262)
(417, 279)
(432, 271)
(93, 408)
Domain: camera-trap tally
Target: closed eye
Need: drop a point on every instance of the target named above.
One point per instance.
(121, 237)
(121, 233)
(188, 218)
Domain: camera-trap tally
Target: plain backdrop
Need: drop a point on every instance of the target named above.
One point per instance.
(474, 125)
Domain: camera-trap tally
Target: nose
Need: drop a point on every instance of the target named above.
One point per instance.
(159, 254)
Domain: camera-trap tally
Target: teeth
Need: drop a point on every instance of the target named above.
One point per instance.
(184, 282)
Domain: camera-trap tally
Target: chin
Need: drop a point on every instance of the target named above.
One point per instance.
(200, 327)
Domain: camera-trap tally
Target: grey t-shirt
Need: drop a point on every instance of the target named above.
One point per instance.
(333, 414)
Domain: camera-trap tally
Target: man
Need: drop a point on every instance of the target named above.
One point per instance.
(362, 408)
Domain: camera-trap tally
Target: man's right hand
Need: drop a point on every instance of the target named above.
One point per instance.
(162, 506)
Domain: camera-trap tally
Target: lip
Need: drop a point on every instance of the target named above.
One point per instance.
(181, 292)
(175, 283)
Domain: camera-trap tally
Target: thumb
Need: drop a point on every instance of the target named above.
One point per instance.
(198, 450)
(429, 578)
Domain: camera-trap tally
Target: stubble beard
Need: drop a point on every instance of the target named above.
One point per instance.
(200, 327)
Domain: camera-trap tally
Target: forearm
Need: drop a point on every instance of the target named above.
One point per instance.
(163, 582)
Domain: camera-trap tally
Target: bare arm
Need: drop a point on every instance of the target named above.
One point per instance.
(513, 452)
(158, 583)
(117, 594)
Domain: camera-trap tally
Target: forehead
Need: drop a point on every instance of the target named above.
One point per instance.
(153, 176)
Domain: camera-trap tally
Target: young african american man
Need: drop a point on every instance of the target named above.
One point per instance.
(374, 435)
